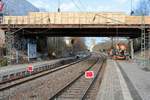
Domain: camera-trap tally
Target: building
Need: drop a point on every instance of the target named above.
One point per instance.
(18, 7)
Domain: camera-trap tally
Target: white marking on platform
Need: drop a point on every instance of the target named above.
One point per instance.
(125, 90)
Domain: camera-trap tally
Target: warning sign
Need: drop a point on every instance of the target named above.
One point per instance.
(89, 74)
(30, 68)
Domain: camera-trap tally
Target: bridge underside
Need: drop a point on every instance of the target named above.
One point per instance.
(82, 30)
(24, 34)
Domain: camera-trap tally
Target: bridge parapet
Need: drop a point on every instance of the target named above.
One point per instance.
(72, 18)
(137, 19)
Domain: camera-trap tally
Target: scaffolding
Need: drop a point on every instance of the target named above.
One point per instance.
(9, 46)
(143, 41)
(149, 47)
(145, 44)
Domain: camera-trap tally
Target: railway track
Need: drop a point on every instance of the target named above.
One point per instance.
(79, 87)
(43, 88)
(27, 79)
(51, 65)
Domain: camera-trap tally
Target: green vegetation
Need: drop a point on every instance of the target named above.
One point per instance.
(3, 62)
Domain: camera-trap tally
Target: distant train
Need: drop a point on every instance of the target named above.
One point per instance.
(119, 52)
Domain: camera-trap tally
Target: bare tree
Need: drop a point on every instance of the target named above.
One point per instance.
(143, 8)
(78, 44)
(56, 45)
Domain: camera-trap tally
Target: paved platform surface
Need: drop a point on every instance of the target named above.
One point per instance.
(113, 85)
(15, 67)
(138, 77)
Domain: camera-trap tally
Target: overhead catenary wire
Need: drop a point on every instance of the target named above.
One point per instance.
(116, 20)
(59, 10)
(132, 12)
(76, 5)
(29, 19)
(85, 8)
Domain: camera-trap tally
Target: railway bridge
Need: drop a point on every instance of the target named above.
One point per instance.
(43, 24)
(77, 24)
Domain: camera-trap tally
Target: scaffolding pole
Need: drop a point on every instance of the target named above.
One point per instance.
(12, 54)
(9, 46)
(143, 41)
(149, 48)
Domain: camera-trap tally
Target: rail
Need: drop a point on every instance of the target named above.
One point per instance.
(24, 80)
(54, 97)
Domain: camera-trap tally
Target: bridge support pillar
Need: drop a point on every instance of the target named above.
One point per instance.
(131, 48)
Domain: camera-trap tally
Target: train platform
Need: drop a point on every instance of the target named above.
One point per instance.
(124, 80)
(14, 67)
(138, 79)
(113, 86)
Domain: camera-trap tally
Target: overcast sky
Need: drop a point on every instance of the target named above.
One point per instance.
(86, 5)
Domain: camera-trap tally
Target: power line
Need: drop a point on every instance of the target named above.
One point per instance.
(59, 5)
(82, 5)
(132, 12)
(76, 4)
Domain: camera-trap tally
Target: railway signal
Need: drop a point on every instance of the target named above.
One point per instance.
(89, 74)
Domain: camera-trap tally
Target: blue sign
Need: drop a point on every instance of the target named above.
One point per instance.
(32, 50)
